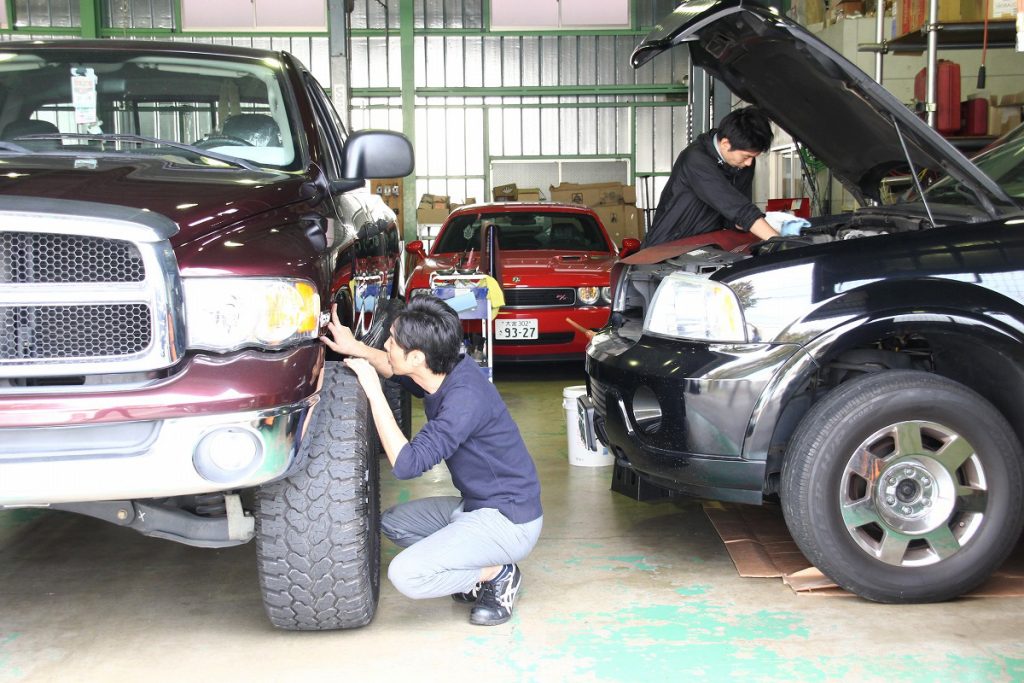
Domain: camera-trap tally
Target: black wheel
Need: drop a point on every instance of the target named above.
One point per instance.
(903, 486)
(380, 326)
(399, 399)
(318, 530)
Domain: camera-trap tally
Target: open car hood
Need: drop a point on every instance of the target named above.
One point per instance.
(838, 112)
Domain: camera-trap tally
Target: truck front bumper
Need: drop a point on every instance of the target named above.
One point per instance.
(219, 424)
(154, 459)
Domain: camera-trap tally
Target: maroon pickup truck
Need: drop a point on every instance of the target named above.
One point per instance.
(176, 221)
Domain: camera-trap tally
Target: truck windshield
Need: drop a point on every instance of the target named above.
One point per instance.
(88, 102)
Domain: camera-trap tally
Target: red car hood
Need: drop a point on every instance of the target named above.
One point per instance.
(537, 268)
(199, 200)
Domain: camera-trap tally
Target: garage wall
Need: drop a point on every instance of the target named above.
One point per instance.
(489, 107)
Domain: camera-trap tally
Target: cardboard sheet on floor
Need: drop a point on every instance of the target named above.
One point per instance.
(760, 546)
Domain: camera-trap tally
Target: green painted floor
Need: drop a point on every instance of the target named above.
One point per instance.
(615, 591)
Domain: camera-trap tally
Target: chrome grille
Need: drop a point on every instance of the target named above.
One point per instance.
(87, 290)
(56, 258)
(535, 297)
(58, 332)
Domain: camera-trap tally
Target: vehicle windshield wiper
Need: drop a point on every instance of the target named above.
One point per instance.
(123, 137)
(11, 147)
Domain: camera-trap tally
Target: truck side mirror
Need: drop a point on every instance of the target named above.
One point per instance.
(416, 249)
(630, 245)
(376, 154)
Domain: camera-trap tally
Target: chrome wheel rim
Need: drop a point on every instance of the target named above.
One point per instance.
(913, 494)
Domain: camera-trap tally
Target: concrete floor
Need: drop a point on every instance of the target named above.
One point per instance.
(615, 591)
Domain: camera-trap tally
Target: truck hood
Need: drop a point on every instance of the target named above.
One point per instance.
(846, 119)
(199, 200)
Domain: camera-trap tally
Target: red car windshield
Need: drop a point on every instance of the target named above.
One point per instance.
(521, 231)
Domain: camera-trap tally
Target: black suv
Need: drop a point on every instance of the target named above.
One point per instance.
(869, 372)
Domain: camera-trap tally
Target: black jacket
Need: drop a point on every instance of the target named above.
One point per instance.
(703, 194)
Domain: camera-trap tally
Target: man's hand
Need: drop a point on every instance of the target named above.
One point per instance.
(341, 340)
(763, 229)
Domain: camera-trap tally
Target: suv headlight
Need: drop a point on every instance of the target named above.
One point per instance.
(688, 306)
(224, 314)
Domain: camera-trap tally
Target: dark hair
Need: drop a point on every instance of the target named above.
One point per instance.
(747, 129)
(429, 325)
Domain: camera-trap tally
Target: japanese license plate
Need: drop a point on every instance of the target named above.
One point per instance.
(524, 328)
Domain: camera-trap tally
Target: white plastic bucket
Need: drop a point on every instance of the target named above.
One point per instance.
(579, 454)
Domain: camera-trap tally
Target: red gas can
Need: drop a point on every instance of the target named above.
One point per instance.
(974, 117)
(947, 95)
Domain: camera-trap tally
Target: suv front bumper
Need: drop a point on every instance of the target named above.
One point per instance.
(679, 413)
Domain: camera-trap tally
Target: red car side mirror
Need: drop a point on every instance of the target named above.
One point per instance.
(416, 249)
(630, 245)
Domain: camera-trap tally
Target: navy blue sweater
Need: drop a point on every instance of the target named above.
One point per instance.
(469, 427)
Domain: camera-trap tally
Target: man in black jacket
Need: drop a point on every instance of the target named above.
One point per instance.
(711, 183)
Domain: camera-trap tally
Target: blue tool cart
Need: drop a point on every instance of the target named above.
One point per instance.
(467, 294)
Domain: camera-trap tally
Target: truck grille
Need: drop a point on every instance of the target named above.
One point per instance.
(55, 258)
(87, 291)
(56, 332)
(540, 298)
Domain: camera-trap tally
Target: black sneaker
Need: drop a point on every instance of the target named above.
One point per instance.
(497, 596)
(468, 597)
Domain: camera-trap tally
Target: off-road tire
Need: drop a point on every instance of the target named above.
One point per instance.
(399, 399)
(318, 530)
(903, 486)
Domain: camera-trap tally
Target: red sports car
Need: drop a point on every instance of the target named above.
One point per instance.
(553, 262)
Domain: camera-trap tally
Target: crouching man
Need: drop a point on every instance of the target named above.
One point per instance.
(465, 546)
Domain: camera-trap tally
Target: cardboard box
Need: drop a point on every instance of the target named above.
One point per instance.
(845, 8)
(505, 193)
(912, 15)
(529, 194)
(1005, 10)
(390, 192)
(431, 216)
(620, 221)
(593, 194)
(434, 201)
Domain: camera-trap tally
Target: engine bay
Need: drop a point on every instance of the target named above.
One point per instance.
(637, 283)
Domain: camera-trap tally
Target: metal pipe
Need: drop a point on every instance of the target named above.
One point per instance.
(933, 45)
(879, 38)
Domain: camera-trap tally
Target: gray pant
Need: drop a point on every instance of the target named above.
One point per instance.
(445, 547)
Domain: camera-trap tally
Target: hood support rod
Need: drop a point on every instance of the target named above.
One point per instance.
(913, 171)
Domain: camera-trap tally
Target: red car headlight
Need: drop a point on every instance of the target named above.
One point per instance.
(588, 296)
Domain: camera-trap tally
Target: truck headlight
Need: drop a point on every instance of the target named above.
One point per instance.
(688, 306)
(224, 314)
